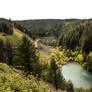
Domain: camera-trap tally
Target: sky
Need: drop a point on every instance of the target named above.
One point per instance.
(45, 9)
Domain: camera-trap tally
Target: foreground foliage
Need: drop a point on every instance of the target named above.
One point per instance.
(11, 81)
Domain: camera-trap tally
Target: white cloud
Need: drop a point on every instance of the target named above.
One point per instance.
(45, 9)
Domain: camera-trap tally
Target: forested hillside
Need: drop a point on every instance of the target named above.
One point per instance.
(47, 27)
(70, 33)
(18, 53)
(66, 41)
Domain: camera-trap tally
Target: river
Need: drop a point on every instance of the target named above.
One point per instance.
(78, 75)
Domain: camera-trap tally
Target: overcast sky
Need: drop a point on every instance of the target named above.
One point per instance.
(45, 9)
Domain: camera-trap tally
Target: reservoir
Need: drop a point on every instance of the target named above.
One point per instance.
(78, 75)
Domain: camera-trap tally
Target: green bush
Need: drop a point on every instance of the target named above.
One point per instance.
(11, 81)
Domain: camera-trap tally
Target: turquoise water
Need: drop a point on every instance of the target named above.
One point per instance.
(78, 75)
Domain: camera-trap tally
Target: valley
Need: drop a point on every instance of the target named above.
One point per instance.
(46, 55)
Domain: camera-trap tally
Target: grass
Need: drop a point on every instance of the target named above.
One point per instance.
(14, 39)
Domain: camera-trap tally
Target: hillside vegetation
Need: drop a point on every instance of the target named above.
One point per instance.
(72, 34)
(11, 81)
(49, 27)
(15, 38)
(18, 51)
(61, 41)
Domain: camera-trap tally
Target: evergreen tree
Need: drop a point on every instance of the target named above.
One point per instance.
(6, 27)
(27, 56)
(26, 49)
(53, 70)
(1, 50)
(89, 62)
(6, 52)
(55, 74)
(9, 52)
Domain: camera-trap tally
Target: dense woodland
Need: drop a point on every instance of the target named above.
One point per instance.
(6, 26)
(70, 33)
(72, 43)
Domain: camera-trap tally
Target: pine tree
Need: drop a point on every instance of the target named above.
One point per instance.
(1, 50)
(55, 74)
(27, 56)
(53, 71)
(9, 52)
(25, 53)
